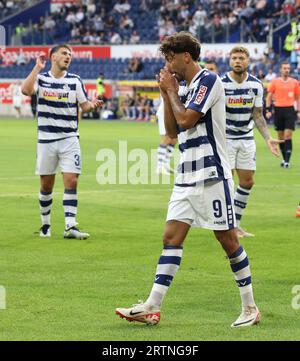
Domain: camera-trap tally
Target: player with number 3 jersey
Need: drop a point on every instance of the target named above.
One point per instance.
(59, 93)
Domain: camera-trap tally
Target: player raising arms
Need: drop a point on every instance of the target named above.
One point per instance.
(244, 109)
(59, 93)
(203, 192)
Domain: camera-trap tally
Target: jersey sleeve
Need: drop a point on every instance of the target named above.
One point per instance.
(206, 93)
(271, 87)
(81, 93)
(259, 98)
(297, 88)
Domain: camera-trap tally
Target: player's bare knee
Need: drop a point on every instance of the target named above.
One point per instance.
(71, 182)
(288, 135)
(228, 240)
(46, 185)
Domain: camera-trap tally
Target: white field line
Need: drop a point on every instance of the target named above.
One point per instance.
(132, 190)
(121, 190)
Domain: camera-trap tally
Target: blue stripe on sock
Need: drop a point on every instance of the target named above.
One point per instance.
(45, 203)
(70, 191)
(70, 202)
(243, 193)
(238, 266)
(69, 214)
(45, 193)
(173, 247)
(238, 252)
(46, 214)
(244, 282)
(238, 216)
(163, 280)
(240, 204)
(169, 260)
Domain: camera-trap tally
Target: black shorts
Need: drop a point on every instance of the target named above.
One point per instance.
(285, 118)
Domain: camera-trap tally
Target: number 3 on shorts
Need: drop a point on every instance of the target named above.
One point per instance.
(217, 206)
(77, 160)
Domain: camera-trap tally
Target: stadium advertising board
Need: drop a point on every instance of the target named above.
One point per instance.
(6, 94)
(9, 55)
(144, 87)
(207, 50)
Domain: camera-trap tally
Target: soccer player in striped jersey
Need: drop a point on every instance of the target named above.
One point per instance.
(203, 192)
(59, 93)
(244, 109)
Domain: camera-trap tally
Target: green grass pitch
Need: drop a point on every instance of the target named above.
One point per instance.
(60, 289)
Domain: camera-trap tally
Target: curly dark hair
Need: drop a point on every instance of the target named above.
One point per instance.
(180, 43)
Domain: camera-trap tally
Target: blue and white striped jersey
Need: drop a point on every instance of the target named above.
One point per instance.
(241, 98)
(58, 106)
(203, 154)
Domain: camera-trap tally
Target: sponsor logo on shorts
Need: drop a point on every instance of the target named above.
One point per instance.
(220, 222)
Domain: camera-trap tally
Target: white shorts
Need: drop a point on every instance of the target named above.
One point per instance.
(207, 206)
(17, 102)
(242, 153)
(64, 154)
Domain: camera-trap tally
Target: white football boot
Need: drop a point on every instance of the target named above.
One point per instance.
(249, 316)
(140, 312)
(74, 233)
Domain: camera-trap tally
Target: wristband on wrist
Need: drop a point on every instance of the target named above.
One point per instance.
(269, 109)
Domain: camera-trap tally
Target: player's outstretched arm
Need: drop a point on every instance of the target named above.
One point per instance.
(89, 106)
(264, 131)
(27, 86)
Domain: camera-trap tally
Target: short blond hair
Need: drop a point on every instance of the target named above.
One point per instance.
(240, 49)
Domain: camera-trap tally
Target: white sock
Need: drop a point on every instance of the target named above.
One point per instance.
(70, 203)
(45, 200)
(167, 267)
(240, 267)
(240, 202)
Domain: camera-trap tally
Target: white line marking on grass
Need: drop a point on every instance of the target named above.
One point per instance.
(132, 190)
(35, 194)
